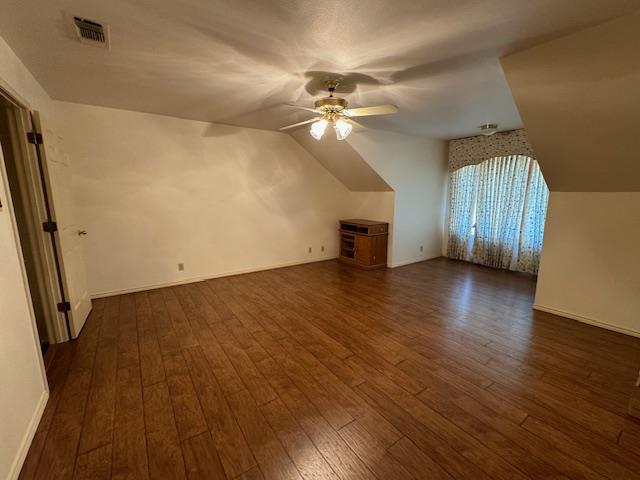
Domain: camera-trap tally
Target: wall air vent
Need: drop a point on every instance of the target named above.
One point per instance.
(92, 33)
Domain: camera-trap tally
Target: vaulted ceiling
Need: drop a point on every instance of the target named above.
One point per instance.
(579, 97)
(343, 161)
(239, 61)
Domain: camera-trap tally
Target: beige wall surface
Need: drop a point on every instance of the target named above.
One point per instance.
(590, 266)
(580, 103)
(154, 191)
(416, 169)
(23, 390)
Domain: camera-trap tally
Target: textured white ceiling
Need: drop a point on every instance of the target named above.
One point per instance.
(239, 61)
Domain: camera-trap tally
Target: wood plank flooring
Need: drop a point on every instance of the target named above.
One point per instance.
(436, 370)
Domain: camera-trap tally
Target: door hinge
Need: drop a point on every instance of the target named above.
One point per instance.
(49, 226)
(35, 138)
(64, 306)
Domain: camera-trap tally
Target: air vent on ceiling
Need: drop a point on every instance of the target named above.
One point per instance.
(92, 33)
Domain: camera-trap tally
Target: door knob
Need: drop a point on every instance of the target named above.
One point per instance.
(82, 232)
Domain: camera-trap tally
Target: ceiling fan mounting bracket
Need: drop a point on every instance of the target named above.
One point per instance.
(332, 85)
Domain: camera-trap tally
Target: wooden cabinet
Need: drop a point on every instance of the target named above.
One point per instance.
(363, 243)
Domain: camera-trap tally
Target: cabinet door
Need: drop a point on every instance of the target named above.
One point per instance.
(363, 250)
(379, 253)
(374, 250)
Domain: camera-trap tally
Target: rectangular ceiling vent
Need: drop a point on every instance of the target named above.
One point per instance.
(92, 33)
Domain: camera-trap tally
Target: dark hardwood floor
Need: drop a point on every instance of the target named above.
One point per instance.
(436, 370)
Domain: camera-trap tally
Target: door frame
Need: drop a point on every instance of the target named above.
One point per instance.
(35, 186)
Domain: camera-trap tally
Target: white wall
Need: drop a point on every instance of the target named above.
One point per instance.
(590, 266)
(23, 389)
(416, 169)
(154, 191)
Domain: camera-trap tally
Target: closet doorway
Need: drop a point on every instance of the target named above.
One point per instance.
(28, 200)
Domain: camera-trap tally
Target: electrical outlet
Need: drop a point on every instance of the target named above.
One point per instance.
(309, 249)
(180, 267)
(322, 248)
(421, 248)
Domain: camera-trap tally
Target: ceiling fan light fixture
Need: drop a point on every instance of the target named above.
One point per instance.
(488, 129)
(343, 129)
(334, 110)
(318, 128)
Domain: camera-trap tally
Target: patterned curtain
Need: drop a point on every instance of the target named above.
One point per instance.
(475, 150)
(535, 213)
(462, 201)
(497, 210)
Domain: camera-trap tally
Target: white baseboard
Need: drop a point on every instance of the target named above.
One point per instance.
(202, 278)
(590, 321)
(14, 471)
(421, 258)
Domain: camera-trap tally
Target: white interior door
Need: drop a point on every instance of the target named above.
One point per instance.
(57, 166)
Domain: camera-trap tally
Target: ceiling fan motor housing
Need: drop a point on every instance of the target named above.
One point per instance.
(331, 104)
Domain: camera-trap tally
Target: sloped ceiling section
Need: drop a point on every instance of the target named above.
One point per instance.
(343, 162)
(579, 99)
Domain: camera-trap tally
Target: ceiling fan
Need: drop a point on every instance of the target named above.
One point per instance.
(333, 110)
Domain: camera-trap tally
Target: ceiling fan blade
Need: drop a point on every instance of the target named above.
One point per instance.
(304, 108)
(357, 126)
(366, 111)
(300, 123)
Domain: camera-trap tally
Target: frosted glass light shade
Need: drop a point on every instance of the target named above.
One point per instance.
(343, 129)
(318, 128)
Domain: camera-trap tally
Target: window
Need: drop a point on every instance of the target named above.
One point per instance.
(497, 211)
